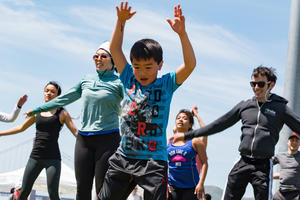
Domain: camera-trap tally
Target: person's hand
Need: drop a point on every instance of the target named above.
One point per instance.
(179, 21)
(194, 110)
(22, 100)
(199, 191)
(178, 137)
(29, 113)
(124, 12)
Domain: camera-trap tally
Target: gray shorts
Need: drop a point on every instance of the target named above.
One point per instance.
(124, 174)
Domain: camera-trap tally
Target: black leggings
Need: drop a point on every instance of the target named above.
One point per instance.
(32, 171)
(91, 160)
(182, 193)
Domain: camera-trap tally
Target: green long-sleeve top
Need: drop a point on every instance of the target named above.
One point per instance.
(101, 95)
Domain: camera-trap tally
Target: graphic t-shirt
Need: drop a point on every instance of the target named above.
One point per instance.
(144, 117)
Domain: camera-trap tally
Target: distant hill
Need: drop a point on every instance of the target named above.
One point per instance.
(216, 193)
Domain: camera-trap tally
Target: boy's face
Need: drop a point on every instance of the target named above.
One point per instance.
(145, 71)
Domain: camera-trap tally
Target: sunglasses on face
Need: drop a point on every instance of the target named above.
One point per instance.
(260, 84)
(103, 56)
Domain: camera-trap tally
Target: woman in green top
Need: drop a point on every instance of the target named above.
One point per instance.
(98, 137)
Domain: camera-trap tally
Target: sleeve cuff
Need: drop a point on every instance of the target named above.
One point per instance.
(189, 135)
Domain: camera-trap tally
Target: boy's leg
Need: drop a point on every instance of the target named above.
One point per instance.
(262, 178)
(155, 180)
(238, 179)
(117, 184)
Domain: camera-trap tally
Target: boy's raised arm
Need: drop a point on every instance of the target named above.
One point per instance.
(178, 25)
(124, 13)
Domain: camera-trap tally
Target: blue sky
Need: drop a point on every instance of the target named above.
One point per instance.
(55, 40)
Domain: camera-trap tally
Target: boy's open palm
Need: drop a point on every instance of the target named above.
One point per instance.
(124, 12)
(179, 21)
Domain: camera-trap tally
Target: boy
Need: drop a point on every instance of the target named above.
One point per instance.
(142, 155)
(289, 188)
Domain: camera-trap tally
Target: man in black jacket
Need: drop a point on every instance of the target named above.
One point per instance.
(262, 119)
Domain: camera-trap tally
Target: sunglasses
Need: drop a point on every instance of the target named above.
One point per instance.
(260, 84)
(104, 56)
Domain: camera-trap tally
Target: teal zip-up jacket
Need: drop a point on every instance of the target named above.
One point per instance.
(101, 95)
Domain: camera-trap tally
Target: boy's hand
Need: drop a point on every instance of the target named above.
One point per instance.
(124, 12)
(179, 21)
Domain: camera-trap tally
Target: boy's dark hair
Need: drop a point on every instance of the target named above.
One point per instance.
(146, 49)
(268, 72)
(189, 115)
(55, 85)
(207, 196)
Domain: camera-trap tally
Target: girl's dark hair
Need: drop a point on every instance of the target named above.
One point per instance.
(146, 49)
(55, 85)
(189, 115)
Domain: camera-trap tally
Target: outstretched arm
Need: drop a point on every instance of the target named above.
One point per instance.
(200, 149)
(72, 95)
(124, 13)
(224, 122)
(201, 123)
(20, 128)
(178, 25)
(14, 114)
(65, 118)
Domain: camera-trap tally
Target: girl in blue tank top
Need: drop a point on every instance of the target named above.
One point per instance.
(184, 181)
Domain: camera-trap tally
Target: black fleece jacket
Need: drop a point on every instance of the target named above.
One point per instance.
(260, 125)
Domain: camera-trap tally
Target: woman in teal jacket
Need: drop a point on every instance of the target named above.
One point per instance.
(98, 137)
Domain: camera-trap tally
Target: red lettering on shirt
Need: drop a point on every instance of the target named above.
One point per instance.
(141, 128)
(152, 145)
(132, 108)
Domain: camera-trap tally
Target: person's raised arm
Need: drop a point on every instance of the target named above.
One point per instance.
(201, 123)
(200, 149)
(20, 128)
(66, 119)
(22, 100)
(124, 13)
(14, 114)
(178, 25)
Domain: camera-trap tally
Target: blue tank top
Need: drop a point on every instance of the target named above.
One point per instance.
(183, 172)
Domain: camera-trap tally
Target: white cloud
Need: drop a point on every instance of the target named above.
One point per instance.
(20, 2)
(37, 29)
